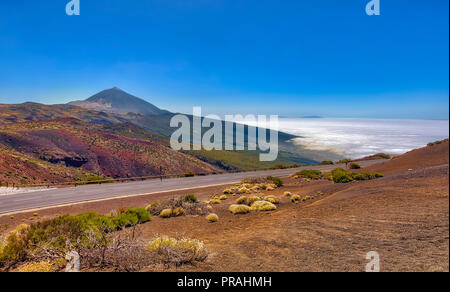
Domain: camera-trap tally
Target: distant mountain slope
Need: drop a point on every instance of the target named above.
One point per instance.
(117, 151)
(149, 117)
(117, 101)
(115, 106)
(33, 112)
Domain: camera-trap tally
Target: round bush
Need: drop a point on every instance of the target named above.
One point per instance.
(239, 209)
(211, 218)
(354, 165)
(263, 206)
(166, 213)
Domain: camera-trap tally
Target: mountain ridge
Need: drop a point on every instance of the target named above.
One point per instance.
(117, 101)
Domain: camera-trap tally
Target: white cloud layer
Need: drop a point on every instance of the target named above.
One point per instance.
(361, 137)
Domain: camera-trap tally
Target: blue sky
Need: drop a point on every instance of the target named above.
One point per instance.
(291, 58)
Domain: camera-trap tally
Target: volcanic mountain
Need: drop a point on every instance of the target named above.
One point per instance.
(118, 101)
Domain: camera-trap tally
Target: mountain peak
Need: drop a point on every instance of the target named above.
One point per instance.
(115, 100)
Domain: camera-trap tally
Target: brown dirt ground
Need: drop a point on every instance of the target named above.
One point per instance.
(403, 216)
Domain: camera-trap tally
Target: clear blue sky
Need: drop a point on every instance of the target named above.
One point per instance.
(293, 58)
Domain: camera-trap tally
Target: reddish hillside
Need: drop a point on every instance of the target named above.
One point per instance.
(419, 158)
(20, 169)
(117, 151)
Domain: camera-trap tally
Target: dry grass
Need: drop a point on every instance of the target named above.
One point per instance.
(239, 209)
(250, 200)
(272, 199)
(263, 206)
(178, 251)
(39, 267)
(295, 198)
(241, 200)
(166, 213)
(211, 218)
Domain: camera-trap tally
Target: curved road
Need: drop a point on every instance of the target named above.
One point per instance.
(64, 196)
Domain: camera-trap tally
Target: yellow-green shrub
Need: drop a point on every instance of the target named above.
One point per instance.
(151, 206)
(166, 213)
(241, 200)
(250, 200)
(307, 198)
(239, 209)
(287, 194)
(40, 267)
(255, 188)
(178, 212)
(263, 206)
(227, 191)
(223, 197)
(211, 218)
(272, 199)
(214, 201)
(295, 198)
(184, 244)
(244, 190)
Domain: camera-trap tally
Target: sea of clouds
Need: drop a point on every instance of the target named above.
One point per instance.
(355, 138)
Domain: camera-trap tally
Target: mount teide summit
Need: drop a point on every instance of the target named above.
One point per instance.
(117, 101)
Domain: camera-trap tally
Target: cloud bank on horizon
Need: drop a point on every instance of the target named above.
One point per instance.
(356, 138)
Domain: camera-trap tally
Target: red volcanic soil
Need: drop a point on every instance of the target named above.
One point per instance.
(403, 216)
(117, 151)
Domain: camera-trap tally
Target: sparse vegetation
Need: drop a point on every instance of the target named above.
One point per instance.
(263, 206)
(340, 175)
(190, 198)
(215, 201)
(227, 191)
(187, 174)
(178, 250)
(178, 212)
(295, 198)
(437, 142)
(250, 200)
(211, 218)
(327, 162)
(310, 174)
(283, 166)
(272, 199)
(39, 267)
(166, 213)
(354, 165)
(50, 239)
(381, 155)
(239, 209)
(276, 181)
(185, 205)
(241, 200)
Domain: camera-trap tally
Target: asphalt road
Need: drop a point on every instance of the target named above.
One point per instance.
(64, 196)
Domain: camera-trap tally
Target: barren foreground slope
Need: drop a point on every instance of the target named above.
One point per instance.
(404, 216)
